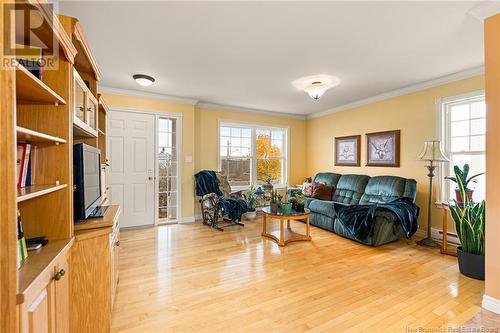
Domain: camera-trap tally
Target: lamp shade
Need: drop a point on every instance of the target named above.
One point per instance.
(432, 152)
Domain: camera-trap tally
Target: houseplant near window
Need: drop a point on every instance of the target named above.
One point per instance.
(469, 220)
(251, 202)
(300, 202)
(462, 174)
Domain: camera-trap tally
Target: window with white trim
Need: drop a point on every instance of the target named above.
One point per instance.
(249, 153)
(463, 131)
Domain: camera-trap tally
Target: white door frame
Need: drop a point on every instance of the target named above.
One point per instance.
(159, 114)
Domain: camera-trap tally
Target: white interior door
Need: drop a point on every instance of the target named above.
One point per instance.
(131, 147)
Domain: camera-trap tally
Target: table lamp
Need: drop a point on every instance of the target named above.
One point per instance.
(432, 153)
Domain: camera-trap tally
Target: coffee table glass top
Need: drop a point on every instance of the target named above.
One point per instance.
(267, 210)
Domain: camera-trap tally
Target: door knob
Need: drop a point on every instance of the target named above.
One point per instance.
(150, 178)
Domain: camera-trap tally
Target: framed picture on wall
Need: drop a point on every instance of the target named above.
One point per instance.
(348, 150)
(382, 148)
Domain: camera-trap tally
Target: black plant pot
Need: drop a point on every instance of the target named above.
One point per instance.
(299, 207)
(471, 265)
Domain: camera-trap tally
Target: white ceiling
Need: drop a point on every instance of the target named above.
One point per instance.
(246, 54)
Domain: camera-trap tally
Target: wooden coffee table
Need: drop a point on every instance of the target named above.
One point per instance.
(285, 235)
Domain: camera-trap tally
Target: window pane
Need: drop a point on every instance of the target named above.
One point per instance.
(223, 151)
(272, 168)
(478, 143)
(460, 128)
(235, 142)
(459, 112)
(460, 144)
(246, 132)
(225, 131)
(237, 171)
(225, 140)
(163, 124)
(478, 126)
(246, 142)
(263, 145)
(277, 135)
(478, 110)
(235, 131)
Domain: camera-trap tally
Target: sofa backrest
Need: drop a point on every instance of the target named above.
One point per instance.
(382, 189)
(327, 178)
(350, 188)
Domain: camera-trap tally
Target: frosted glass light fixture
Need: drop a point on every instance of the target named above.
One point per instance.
(143, 80)
(316, 85)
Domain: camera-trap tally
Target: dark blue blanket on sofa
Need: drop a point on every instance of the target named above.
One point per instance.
(207, 182)
(360, 219)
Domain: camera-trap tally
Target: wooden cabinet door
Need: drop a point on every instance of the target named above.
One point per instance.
(61, 292)
(37, 317)
(114, 251)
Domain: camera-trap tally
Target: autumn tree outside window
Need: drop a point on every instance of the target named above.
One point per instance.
(249, 153)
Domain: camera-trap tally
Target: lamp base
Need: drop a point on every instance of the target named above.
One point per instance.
(428, 242)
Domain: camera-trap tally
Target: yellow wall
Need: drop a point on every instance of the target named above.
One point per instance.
(188, 145)
(492, 73)
(414, 114)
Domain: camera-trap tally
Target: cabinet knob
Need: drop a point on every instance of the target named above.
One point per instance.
(117, 243)
(59, 275)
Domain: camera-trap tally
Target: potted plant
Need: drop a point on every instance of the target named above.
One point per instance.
(462, 174)
(274, 202)
(299, 202)
(469, 220)
(251, 202)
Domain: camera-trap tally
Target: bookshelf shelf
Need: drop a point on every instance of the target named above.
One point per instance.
(30, 192)
(38, 262)
(30, 89)
(25, 134)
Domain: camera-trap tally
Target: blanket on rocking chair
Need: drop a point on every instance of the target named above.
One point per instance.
(206, 182)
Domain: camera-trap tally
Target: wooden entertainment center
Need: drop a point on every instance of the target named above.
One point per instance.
(69, 284)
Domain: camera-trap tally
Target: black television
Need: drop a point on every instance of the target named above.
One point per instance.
(87, 181)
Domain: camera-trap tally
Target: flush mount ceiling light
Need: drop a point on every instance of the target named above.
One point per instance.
(316, 85)
(143, 80)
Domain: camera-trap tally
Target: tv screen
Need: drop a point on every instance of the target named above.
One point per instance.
(92, 175)
(87, 180)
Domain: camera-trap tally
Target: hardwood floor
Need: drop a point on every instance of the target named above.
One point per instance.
(189, 278)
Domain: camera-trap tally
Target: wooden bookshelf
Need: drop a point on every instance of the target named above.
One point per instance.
(41, 112)
(31, 192)
(31, 89)
(27, 135)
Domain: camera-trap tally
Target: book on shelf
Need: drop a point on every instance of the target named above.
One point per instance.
(30, 57)
(22, 250)
(24, 164)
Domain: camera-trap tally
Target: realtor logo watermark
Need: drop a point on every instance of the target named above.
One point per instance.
(28, 40)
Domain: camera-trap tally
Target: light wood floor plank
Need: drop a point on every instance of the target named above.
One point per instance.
(189, 278)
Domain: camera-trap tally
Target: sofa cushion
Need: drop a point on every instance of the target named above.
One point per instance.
(327, 178)
(350, 188)
(382, 189)
(323, 207)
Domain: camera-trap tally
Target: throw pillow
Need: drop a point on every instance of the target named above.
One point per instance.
(322, 191)
(307, 189)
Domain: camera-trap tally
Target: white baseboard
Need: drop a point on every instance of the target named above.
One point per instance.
(452, 238)
(198, 217)
(491, 304)
(187, 219)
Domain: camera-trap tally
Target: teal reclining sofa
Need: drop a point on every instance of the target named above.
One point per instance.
(361, 190)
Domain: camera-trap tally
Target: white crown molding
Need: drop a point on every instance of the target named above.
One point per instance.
(468, 73)
(485, 10)
(247, 110)
(491, 304)
(138, 93)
